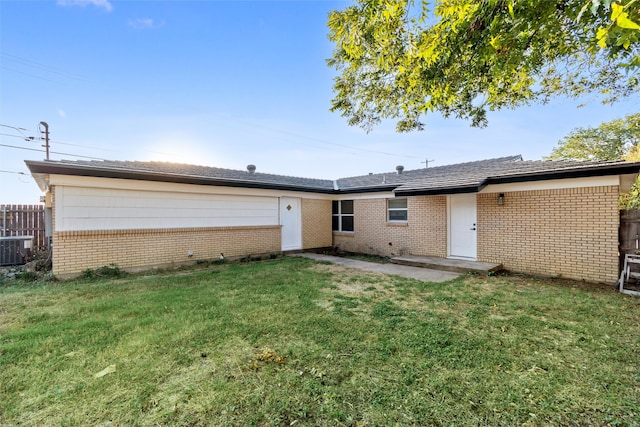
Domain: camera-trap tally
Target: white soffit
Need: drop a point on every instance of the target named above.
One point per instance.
(553, 184)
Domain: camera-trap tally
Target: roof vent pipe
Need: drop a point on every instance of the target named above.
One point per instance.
(251, 169)
(399, 169)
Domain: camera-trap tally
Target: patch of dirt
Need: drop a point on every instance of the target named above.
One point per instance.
(525, 281)
(353, 281)
(376, 286)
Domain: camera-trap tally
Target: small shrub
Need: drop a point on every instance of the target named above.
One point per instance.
(87, 274)
(39, 260)
(28, 276)
(254, 258)
(42, 258)
(112, 271)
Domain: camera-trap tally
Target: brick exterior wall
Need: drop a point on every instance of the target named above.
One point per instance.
(76, 251)
(316, 224)
(425, 232)
(428, 225)
(571, 233)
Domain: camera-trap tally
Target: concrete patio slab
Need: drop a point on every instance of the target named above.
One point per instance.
(448, 264)
(409, 272)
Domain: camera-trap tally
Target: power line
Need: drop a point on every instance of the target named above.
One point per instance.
(21, 148)
(264, 127)
(19, 129)
(37, 138)
(41, 67)
(84, 146)
(351, 147)
(52, 152)
(12, 127)
(19, 173)
(31, 75)
(79, 156)
(27, 138)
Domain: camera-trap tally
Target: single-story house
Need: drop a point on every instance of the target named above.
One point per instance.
(556, 218)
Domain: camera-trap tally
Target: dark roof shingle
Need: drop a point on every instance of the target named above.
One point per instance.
(467, 177)
(455, 178)
(461, 172)
(178, 172)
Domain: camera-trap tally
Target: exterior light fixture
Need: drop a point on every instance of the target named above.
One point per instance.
(500, 199)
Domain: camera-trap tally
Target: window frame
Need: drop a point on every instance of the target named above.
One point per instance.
(340, 215)
(404, 209)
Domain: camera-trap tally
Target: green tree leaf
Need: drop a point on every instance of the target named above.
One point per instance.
(623, 21)
(399, 60)
(615, 140)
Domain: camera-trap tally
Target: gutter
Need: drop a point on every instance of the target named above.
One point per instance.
(44, 167)
(605, 170)
(58, 169)
(608, 170)
(442, 190)
(375, 189)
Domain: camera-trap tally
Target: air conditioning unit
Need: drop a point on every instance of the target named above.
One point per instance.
(14, 248)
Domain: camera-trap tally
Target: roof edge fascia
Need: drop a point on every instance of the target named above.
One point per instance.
(604, 170)
(376, 189)
(47, 167)
(44, 167)
(442, 191)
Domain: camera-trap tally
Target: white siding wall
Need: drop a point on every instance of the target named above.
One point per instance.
(82, 208)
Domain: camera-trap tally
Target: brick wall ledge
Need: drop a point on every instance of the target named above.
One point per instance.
(149, 231)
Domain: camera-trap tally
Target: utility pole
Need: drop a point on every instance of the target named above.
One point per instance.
(426, 162)
(46, 137)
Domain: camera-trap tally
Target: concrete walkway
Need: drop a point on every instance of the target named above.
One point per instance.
(418, 273)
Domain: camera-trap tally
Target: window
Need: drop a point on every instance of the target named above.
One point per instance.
(343, 215)
(397, 209)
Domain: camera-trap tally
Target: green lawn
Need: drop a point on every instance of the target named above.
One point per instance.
(293, 342)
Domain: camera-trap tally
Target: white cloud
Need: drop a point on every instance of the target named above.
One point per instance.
(62, 113)
(144, 23)
(105, 4)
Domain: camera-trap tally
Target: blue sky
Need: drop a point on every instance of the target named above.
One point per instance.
(219, 83)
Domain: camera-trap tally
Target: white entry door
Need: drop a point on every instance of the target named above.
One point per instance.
(462, 226)
(291, 222)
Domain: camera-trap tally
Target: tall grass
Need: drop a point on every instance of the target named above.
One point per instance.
(293, 342)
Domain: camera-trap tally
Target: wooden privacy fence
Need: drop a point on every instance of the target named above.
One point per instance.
(16, 222)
